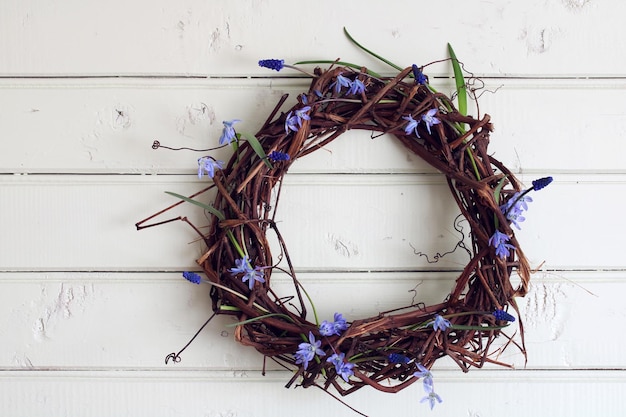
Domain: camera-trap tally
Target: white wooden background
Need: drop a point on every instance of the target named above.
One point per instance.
(89, 307)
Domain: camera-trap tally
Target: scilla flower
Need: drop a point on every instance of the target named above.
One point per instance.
(242, 266)
(499, 241)
(307, 351)
(430, 119)
(228, 133)
(208, 165)
(440, 323)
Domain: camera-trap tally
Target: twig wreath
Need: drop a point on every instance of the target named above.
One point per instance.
(393, 349)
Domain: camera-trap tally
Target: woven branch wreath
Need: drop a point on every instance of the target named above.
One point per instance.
(394, 349)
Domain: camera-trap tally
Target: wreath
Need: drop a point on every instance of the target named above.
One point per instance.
(393, 349)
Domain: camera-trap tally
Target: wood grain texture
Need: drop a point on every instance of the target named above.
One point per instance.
(89, 307)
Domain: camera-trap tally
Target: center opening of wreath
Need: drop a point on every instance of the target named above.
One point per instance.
(382, 227)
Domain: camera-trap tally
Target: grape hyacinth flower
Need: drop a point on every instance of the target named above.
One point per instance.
(516, 205)
(431, 398)
(274, 64)
(503, 315)
(426, 375)
(276, 156)
(228, 133)
(430, 119)
(344, 369)
(419, 76)
(192, 277)
(209, 165)
(398, 358)
(540, 183)
(499, 241)
(411, 127)
(242, 266)
(440, 323)
(307, 351)
(334, 328)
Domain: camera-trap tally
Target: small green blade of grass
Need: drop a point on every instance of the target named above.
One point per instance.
(208, 208)
(461, 90)
(375, 55)
(256, 145)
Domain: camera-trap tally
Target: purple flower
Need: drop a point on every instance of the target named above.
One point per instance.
(208, 164)
(341, 82)
(420, 78)
(242, 266)
(398, 358)
(356, 87)
(431, 398)
(275, 64)
(344, 369)
(336, 327)
(228, 133)
(514, 208)
(540, 183)
(499, 241)
(307, 351)
(295, 122)
(276, 156)
(192, 277)
(426, 376)
(430, 119)
(503, 315)
(411, 126)
(440, 323)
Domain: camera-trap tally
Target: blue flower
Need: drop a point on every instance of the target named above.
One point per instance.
(192, 277)
(228, 133)
(540, 183)
(356, 87)
(499, 241)
(426, 375)
(275, 156)
(514, 208)
(420, 78)
(344, 369)
(307, 351)
(503, 315)
(208, 164)
(431, 398)
(398, 358)
(341, 82)
(411, 126)
(275, 64)
(295, 122)
(242, 266)
(336, 327)
(440, 323)
(430, 119)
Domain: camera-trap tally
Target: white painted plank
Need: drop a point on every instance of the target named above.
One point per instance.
(108, 126)
(136, 394)
(87, 223)
(221, 37)
(134, 320)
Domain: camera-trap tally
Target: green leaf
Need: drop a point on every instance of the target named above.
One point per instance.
(208, 208)
(256, 145)
(252, 320)
(375, 55)
(460, 82)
